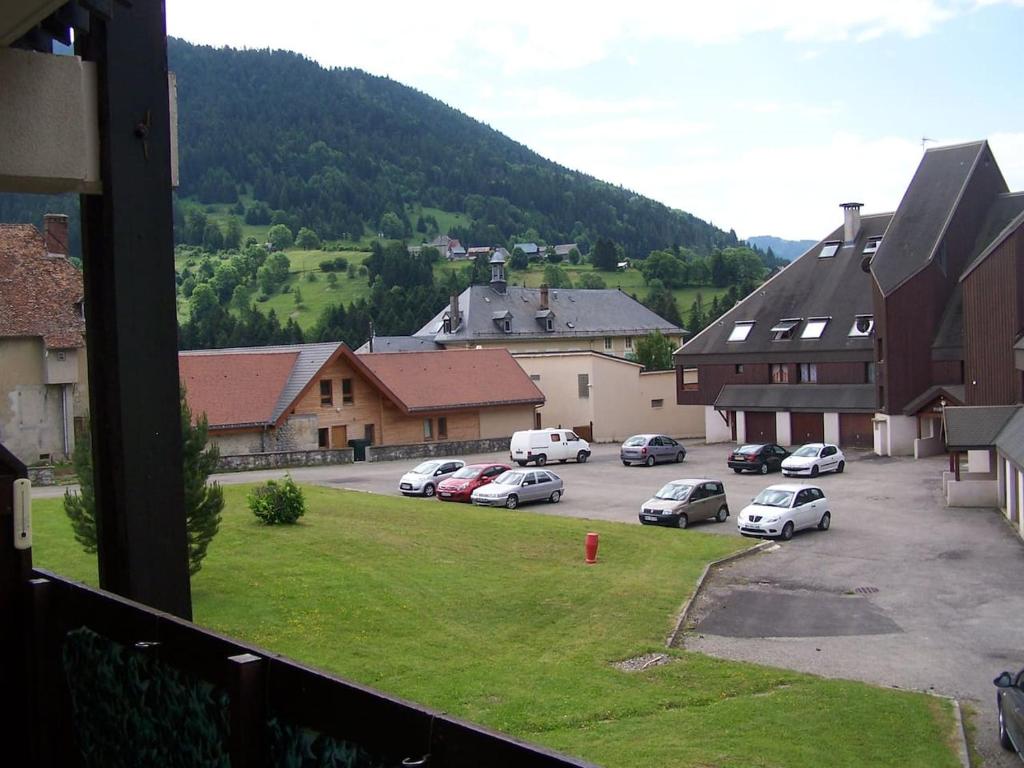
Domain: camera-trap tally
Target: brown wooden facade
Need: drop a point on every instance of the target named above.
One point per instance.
(713, 376)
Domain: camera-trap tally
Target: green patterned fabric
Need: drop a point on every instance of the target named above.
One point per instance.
(133, 710)
(292, 746)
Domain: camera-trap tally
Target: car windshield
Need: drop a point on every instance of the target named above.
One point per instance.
(509, 478)
(674, 492)
(771, 497)
(807, 450)
(427, 468)
(468, 473)
(635, 441)
(748, 449)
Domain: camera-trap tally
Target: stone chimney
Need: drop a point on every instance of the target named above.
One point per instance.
(851, 221)
(453, 312)
(544, 296)
(55, 233)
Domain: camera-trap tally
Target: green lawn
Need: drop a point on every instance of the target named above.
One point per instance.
(492, 616)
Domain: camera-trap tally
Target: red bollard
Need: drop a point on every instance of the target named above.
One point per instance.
(591, 548)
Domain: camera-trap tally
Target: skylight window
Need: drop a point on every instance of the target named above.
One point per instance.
(815, 327)
(872, 245)
(783, 329)
(740, 331)
(863, 325)
(830, 249)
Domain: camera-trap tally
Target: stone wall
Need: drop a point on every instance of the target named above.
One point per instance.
(41, 476)
(284, 459)
(441, 448)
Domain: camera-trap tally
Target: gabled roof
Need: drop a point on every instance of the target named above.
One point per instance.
(399, 344)
(810, 287)
(954, 394)
(1010, 440)
(526, 248)
(924, 213)
(453, 379)
(236, 389)
(565, 248)
(40, 294)
(975, 427)
(1004, 218)
(580, 313)
(796, 397)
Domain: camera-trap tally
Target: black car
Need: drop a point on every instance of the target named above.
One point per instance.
(759, 457)
(1010, 702)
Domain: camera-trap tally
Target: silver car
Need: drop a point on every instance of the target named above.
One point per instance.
(651, 449)
(682, 502)
(423, 479)
(516, 486)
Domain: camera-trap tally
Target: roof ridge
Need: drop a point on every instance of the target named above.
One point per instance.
(959, 145)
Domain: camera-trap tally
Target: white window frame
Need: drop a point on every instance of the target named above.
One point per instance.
(830, 249)
(855, 333)
(741, 330)
(629, 342)
(807, 373)
(783, 330)
(607, 342)
(872, 245)
(815, 327)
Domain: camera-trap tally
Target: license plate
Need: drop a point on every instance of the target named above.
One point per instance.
(651, 518)
(445, 494)
(406, 486)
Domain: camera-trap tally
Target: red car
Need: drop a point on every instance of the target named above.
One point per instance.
(461, 485)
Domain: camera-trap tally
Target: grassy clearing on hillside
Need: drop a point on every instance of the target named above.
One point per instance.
(492, 616)
(446, 221)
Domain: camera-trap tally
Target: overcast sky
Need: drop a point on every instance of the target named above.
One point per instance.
(761, 117)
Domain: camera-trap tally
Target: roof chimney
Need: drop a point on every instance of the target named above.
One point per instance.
(55, 233)
(851, 221)
(453, 313)
(544, 296)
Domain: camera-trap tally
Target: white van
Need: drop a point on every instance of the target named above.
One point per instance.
(543, 445)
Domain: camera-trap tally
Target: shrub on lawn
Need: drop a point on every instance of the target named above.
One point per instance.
(277, 503)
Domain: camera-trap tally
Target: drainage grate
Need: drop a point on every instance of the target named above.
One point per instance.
(866, 590)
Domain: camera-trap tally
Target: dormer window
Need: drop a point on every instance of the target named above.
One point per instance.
(508, 326)
(741, 330)
(863, 325)
(830, 249)
(815, 327)
(550, 324)
(546, 318)
(503, 320)
(447, 324)
(783, 330)
(872, 245)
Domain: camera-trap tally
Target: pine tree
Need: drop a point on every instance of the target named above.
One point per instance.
(203, 501)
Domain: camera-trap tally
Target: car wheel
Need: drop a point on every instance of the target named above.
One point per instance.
(555, 496)
(723, 513)
(737, 470)
(581, 457)
(512, 501)
(682, 521)
(625, 463)
(679, 457)
(840, 467)
(764, 468)
(542, 460)
(787, 532)
(649, 462)
(1004, 737)
(520, 463)
(825, 522)
(428, 490)
(814, 471)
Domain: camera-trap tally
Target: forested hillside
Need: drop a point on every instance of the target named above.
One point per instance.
(341, 150)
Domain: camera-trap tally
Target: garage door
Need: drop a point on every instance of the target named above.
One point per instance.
(856, 430)
(807, 427)
(760, 427)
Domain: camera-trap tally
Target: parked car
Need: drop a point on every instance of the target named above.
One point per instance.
(650, 449)
(779, 510)
(759, 457)
(460, 486)
(423, 479)
(520, 485)
(1010, 703)
(682, 502)
(543, 445)
(813, 459)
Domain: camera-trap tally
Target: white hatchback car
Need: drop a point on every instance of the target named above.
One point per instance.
(422, 480)
(779, 510)
(812, 459)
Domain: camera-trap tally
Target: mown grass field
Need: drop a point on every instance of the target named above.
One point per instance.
(492, 616)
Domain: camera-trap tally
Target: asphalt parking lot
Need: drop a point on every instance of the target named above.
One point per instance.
(901, 591)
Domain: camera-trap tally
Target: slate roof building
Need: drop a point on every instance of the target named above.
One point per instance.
(43, 376)
(863, 339)
(314, 397)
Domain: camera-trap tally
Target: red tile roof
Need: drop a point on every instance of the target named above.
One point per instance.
(452, 378)
(235, 389)
(38, 293)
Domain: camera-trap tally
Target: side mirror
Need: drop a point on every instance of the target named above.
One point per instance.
(1005, 680)
(438, 472)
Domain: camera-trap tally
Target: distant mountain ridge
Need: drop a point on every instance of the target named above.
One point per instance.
(784, 249)
(340, 148)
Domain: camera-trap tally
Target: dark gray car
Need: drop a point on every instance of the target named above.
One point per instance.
(1010, 701)
(650, 450)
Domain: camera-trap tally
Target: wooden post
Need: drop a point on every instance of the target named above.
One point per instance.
(248, 693)
(127, 248)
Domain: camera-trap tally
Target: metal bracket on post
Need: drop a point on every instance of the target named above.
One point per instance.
(22, 514)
